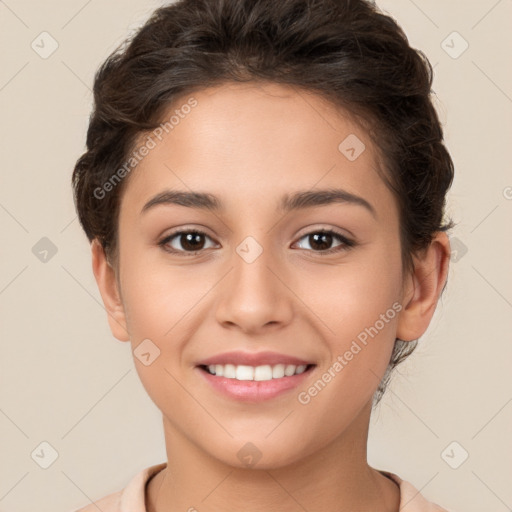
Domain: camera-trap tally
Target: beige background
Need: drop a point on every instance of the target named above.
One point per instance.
(66, 381)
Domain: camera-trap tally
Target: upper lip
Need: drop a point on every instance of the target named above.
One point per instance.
(252, 359)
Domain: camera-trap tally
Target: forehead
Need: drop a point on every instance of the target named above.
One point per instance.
(247, 142)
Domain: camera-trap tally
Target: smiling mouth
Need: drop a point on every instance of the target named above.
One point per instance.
(256, 373)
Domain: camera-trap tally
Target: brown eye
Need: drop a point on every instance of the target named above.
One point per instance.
(321, 241)
(185, 241)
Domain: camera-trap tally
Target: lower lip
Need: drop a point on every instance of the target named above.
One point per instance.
(254, 391)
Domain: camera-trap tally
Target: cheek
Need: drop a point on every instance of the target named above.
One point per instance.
(353, 296)
(156, 303)
(362, 326)
(152, 293)
(359, 305)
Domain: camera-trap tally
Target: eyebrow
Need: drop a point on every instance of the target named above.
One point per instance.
(289, 202)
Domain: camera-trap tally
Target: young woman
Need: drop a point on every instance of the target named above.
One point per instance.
(264, 188)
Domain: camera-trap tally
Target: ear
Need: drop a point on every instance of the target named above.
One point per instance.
(423, 288)
(108, 286)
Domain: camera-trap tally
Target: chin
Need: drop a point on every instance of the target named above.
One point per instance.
(258, 453)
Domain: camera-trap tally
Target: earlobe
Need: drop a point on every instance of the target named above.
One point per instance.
(424, 287)
(107, 284)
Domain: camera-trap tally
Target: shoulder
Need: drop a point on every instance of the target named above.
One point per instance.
(132, 497)
(110, 503)
(411, 500)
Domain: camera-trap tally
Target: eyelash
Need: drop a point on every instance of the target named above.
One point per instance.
(344, 246)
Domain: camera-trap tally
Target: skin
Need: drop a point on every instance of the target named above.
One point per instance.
(249, 144)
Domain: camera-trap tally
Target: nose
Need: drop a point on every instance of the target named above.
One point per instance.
(255, 296)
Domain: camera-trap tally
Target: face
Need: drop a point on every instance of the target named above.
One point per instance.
(266, 277)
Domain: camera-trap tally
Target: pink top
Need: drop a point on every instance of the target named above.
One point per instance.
(132, 497)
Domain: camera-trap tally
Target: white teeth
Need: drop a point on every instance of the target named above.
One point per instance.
(256, 373)
(263, 373)
(230, 371)
(278, 371)
(289, 370)
(244, 373)
(301, 369)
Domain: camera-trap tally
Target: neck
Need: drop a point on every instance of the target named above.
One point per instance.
(336, 478)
